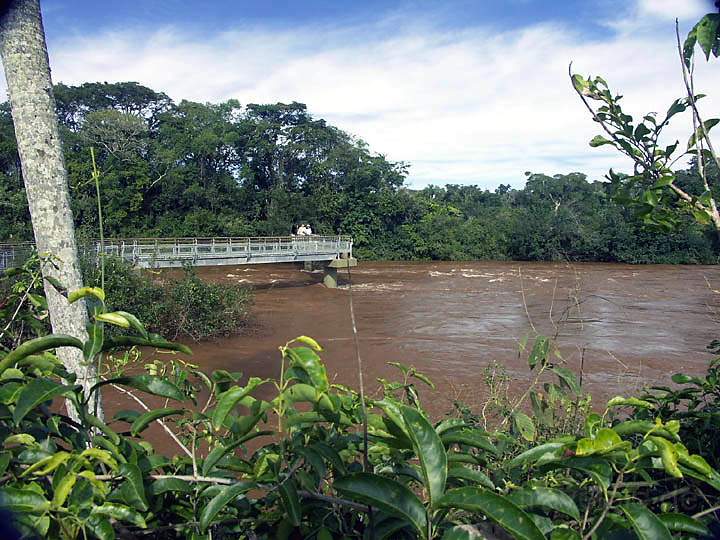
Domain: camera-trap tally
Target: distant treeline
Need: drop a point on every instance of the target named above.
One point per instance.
(203, 169)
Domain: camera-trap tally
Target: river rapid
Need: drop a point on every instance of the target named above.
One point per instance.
(628, 326)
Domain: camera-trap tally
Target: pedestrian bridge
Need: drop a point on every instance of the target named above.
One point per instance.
(175, 252)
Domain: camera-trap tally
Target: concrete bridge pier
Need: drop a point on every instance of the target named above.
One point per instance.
(330, 278)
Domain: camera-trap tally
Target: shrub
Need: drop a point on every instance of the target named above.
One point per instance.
(179, 308)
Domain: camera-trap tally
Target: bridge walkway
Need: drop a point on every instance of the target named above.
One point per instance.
(174, 252)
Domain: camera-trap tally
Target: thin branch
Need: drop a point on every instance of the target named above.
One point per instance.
(366, 457)
(522, 292)
(706, 512)
(333, 500)
(159, 421)
(185, 477)
(605, 511)
(691, 98)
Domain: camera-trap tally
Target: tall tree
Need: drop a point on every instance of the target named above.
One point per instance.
(27, 71)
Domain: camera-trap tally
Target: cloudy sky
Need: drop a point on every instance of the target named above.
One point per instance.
(471, 92)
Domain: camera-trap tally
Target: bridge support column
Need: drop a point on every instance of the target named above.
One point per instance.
(330, 278)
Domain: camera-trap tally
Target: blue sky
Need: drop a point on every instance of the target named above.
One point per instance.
(63, 16)
(464, 91)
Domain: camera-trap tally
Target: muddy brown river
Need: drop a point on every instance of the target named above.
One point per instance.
(634, 325)
(629, 326)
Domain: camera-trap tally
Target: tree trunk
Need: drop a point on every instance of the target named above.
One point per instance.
(27, 71)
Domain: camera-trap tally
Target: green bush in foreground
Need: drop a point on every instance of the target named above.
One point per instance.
(564, 473)
(177, 307)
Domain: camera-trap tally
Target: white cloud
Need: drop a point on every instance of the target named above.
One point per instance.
(475, 106)
(670, 9)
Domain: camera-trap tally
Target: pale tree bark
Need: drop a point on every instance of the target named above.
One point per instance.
(27, 71)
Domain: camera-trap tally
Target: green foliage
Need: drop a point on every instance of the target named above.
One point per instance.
(655, 189)
(178, 307)
(22, 302)
(193, 169)
(95, 478)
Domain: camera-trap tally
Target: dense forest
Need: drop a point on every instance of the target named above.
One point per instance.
(201, 169)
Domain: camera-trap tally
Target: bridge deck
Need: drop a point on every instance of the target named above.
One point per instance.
(173, 252)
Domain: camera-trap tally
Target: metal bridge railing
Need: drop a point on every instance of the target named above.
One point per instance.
(160, 252)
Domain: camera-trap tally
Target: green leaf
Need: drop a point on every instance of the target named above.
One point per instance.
(230, 398)
(96, 337)
(134, 322)
(97, 292)
(642, 427)
(113, 318)
(579, 83)
(708, 34)
(47, 465)
(309, 341)
(4, 461)
(564, 533)
(533, 454)
(496, 507)
(95, 422)
(689, 47)
(307, 360)
(38, 345)
(646, 524)
(472, 475)
(463, 532)
(121, 342)
(164, 485)
(144, 420)
(64, 488)
(429, 450)
(331, 456)
(696, 462)
(301, 392)
(539, 353)
(226, 496)
(544, 497)
(568, 378)
(525, 426)
(450, 424)
(387, 495)
(220, 452)
(314, 460)
(668, 455)
(132, 490)
(676, 522)
(619, 401)
(470, 437)
(120, 512)
(21, 501)
(35, 393)
(605, 440)
(101, 527)
(38, 301)
(386, 528)
(157, 386)
(702, 131)
(641, 131)
(291, 501)
(599, 140)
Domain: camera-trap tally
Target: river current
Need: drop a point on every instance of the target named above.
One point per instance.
(627, 326)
